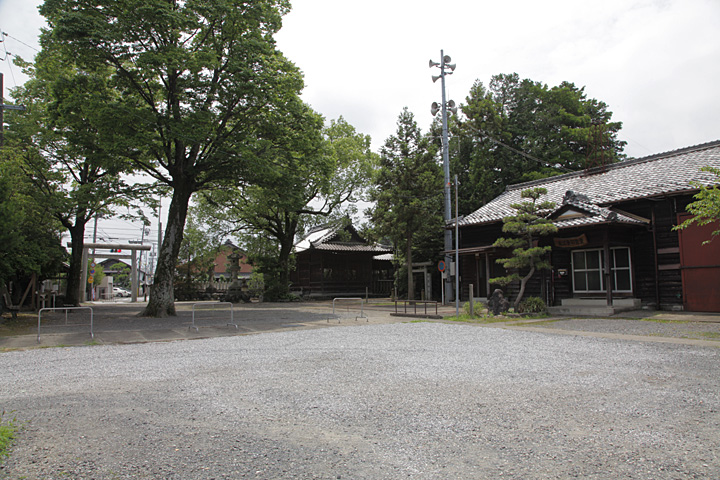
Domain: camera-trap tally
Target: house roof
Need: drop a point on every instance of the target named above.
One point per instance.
(328, 238)
(667, 173)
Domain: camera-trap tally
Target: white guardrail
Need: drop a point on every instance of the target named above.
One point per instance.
(355, 299)
(213, 304)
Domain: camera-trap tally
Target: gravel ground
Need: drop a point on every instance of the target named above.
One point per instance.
(410, 400)
(653, 328)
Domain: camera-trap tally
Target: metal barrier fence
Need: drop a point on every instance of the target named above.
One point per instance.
(362, 302)
(415, 304)
(92, 335)
(213, 304)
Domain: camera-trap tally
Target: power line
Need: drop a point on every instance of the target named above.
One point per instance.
(18, 40)
(7, 55)
(519, 152)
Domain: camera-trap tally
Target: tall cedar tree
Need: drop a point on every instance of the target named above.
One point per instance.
(204, 94)
(408, 190)
(526, 225)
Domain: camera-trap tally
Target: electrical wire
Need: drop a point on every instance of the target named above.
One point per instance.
(20, 41)
(7, 57)
(519, 152)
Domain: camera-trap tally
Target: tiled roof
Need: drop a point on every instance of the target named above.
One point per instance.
(353, 247)
(589, 214)
(663, 174)
(322, 239)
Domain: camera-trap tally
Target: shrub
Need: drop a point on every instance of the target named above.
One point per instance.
(256, 284)
(532, 305)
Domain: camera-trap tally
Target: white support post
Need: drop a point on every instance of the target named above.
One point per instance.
(133, 276)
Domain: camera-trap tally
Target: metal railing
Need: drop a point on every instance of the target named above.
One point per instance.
(92, 335)
(362, 302)
(213, 304)
(414, 303)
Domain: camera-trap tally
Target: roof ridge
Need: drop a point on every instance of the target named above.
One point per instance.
(614, 166)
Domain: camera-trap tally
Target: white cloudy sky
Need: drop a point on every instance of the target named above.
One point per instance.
(656, 63)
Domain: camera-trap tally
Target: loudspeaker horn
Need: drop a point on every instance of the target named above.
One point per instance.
(433, 64)
(434, 108)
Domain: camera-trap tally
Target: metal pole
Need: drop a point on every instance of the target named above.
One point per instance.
(92, 262)
(446, 172)
(84, 275)
(457, 253)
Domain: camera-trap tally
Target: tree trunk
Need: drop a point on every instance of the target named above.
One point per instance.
(408, 253)
(162, 292)
(74, 290)
(284, 262)
(523, 282)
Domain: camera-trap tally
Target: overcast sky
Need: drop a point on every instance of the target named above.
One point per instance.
(656, 63)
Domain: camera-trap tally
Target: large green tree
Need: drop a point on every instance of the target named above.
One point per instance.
(201, 87)
(407, 190)
(519, 130)
(319, 176)
(67, 147)
(29, 235)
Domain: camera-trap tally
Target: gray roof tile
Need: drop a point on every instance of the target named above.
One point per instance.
(656, 175)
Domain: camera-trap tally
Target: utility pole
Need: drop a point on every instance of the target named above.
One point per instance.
(457, 253)
(4, 107)
(444, 66)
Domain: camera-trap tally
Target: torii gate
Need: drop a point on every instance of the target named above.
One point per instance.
(114, 256)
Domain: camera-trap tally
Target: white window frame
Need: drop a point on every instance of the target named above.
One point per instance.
(613, 269)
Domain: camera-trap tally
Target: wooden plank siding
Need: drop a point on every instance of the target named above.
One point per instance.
(651, 282)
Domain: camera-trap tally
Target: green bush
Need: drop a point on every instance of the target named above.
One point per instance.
(479, 309)
(532, 305)
(256, 284)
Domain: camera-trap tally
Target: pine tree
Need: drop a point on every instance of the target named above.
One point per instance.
(526, 225)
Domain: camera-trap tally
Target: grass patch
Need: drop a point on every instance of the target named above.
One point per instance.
(465, 318)
(549, 321)
(710, 335)
(25, 323)
(8, 427)
(659, 320)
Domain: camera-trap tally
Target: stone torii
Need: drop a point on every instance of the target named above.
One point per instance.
(133, 247)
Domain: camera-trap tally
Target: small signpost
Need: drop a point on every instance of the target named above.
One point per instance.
(442, 266)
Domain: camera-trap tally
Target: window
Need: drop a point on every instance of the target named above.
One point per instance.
(620, 278)
(587, 266)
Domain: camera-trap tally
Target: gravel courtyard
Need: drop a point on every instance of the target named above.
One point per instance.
(403, 400)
